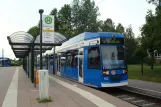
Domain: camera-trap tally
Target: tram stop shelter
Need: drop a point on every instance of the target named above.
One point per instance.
(27, 47)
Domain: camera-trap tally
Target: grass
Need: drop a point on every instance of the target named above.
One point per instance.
(134, 72)
(44, 100)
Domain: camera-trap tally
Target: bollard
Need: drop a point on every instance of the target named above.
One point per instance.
(43, 84)
(37, 77)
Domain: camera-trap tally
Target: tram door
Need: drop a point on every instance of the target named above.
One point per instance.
(80, 64)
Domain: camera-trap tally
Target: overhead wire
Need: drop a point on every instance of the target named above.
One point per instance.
(100, 2)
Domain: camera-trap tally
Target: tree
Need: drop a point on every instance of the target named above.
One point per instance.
(65, 21)
(84, 16)
(108, 26)
(140, 52)
(56, 22)
(99, 24)
(155, 2)
(130, 43)
(120, 28)
(89, 15)
(149, 37)
(34, 31)
(158, 28)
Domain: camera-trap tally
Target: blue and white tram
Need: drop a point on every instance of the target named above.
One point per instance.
(94, 59)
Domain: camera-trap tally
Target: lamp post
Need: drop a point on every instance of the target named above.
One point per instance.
(41, 12)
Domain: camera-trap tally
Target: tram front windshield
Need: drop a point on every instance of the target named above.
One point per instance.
(113, 57)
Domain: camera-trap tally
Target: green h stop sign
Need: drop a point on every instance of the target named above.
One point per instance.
(48, 20)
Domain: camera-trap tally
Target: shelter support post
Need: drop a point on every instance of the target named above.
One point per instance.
(54, 61)
(24, 64)
(32, 64)
(35, 63)
(47, 61)
(28, 66)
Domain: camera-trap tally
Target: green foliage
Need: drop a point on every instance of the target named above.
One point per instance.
(108, 26)
(120, 28)
(17, 62)
(65, 21)
(44, 100)
(130, 43)
(147, 61)
(140, 52)
(34, 31)
(84, 16)
(56, 21)
(151, 33)
(155, 2)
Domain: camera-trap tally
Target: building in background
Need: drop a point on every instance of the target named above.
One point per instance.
(5, 61)
(157, 56)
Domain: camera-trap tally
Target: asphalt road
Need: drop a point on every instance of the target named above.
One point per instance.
(6, 74)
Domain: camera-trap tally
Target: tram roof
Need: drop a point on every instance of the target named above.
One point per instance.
(87, 36)
(92, 35)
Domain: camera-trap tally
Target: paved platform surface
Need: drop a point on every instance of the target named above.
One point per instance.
(102, 95)
(6, 74)
(64, 93)
(61, 96)
(145, 85)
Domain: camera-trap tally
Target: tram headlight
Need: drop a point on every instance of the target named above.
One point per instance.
(106, 72)
(125, 71)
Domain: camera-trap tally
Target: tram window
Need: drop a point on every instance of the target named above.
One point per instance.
(62, 61)
(74, 61)
(94, 58)
(68, 61)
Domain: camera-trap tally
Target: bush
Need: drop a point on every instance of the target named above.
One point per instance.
(44, 100)
(147, 60)
(133, 60)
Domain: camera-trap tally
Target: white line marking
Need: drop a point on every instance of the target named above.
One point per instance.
(130, 98)
(137, 101)
(34, 90)
(149, 104)
(11, 96)
(93, 98)
(122, 96)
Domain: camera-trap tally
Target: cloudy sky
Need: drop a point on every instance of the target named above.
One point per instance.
(20, 15)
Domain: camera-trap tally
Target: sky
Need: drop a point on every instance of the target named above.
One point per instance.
(20, 15)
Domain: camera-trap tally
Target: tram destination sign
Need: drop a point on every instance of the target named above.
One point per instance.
(112, 40)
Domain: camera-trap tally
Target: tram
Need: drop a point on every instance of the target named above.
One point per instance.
(94, 59)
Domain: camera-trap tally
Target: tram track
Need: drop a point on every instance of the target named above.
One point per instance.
(134, 97)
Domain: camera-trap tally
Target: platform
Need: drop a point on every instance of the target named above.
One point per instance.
(65, 93)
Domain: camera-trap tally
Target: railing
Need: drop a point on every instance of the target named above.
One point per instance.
(157, 57)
